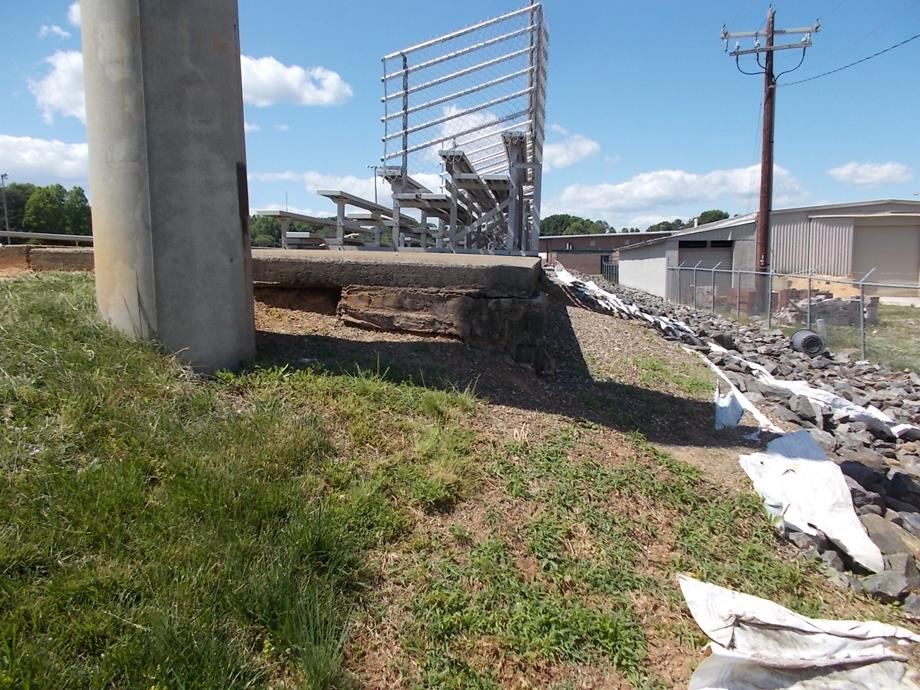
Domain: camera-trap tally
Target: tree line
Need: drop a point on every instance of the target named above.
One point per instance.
(566, 224)
(56, 209)
(51, 208)
(265, 231)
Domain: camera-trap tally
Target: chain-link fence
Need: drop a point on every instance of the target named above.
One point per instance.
(873, 320)
(610, 270)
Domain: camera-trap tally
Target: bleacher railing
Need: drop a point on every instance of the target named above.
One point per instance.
(462, 91)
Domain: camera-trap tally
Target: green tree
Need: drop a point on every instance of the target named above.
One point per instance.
(566, 224)
(663, 226)
(17, 195)
(261, 227)
(556, 224)
(711, 216)
(77, 214)
(264, 241)
(45, 209)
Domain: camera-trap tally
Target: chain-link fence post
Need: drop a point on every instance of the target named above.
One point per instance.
(712, 289)
(737, 280)
(695, 282)
(862, 314)
(862, 320)
(680, 267)
(769, 277)
(808, 303)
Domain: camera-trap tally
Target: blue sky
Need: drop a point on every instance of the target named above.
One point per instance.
(649, 117)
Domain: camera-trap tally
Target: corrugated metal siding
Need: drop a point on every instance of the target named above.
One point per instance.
(825, 248)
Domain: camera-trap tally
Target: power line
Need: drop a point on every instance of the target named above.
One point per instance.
(852, 64)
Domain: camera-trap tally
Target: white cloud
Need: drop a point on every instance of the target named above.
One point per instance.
(313, 181)
(251, 127)
(642, 221)
(73, 14)
(558, 129)
(287, 176)
(447, 133)
(266, 81)
(52, 29)
(60, 91)
(25, 158)
(282, 128)
(568, 151)
(870, 174)
(294, 209)
(650, 194)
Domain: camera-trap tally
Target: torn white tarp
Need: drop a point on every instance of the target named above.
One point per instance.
(805, 491)
(729, 410)
(762, 421)
(611, 302)
(840, 407)
(906, 432)
(757, 644)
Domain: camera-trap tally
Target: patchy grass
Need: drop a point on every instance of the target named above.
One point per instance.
(553, 584)
(892, 342)
(163, 531)
(654, 372)
(297, 528)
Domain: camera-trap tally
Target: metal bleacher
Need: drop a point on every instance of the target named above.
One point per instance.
(489, 138)
(472, 102)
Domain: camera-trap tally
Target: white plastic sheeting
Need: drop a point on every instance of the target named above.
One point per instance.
(729, 409)
(758, 644)
(762, 421)
(906, 432)
(805, 491)
(840, 407)
(611, 302)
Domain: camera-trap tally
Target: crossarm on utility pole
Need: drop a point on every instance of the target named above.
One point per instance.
(762, 243)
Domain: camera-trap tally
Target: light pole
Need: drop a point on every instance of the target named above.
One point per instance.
(6, 215)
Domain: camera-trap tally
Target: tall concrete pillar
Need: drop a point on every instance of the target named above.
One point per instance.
(167, 159)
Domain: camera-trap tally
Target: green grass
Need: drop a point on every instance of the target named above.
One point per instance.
(892, 342)
(584, 527)
(158, 530)
(687, 379)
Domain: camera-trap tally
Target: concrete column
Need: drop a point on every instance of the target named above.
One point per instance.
(164, 115)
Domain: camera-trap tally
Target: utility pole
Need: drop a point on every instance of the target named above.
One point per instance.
(6, 215)
(766, 151)
(769, 110)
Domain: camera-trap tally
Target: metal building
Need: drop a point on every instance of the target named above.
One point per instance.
(589, 253)
(838, 240)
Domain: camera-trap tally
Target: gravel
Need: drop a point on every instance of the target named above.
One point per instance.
(882, 469)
